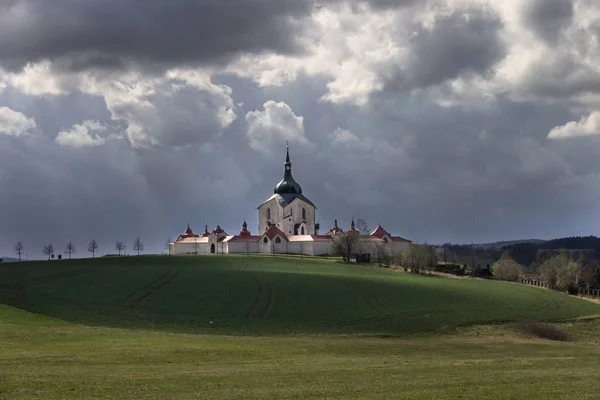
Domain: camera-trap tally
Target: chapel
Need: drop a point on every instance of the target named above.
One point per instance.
(287, 224)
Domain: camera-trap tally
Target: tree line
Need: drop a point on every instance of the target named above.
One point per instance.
(70, 249)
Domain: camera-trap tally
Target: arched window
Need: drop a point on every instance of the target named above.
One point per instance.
(277, 239)
(302, 231)
(303, 214)
(385, 239)
(268, 214)
(265, 240)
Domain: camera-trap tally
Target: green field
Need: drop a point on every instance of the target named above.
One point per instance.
(261, 327)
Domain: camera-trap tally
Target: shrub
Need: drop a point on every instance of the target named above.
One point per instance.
(507, 269)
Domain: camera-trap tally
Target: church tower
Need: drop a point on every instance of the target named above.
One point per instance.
(288, 208)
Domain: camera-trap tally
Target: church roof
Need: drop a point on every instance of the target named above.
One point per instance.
(245, 238)
(380, 232)
(288, 184)
(286, 199)
(245, 231)
(274, 231)
(187, 234)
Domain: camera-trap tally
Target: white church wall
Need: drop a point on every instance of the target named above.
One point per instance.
(242, 247)
(276, 215)
(321, 248)
(295, 209)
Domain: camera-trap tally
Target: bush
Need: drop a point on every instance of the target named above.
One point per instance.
(507, 269)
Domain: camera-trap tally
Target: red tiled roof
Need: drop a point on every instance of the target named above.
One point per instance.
(380, 232)
(274, 231)
(400, 239)
(246, 238)
(218, 230)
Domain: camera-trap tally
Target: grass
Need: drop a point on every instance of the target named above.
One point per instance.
(44, 358)
(283, 328)
(265, 295)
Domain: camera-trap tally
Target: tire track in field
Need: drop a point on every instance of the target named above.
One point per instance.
(269, 305)
(256, 300)
(134, 301)
(372, 300)
(44, 279)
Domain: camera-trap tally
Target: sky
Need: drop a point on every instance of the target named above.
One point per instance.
(463, 121)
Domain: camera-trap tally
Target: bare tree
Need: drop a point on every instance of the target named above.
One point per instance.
(382, 255)
(138, 246)
(196, 245)
(345, 245)
(419, 258)
(507, 269)
(70, 249)
(119, 246)
(362, 226)
(560, 272)
(93, 247)
(48, 250)
(19, 248)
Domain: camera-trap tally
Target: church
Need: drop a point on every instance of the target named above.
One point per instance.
(287, 224)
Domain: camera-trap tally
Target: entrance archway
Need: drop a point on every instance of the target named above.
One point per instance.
(212, 248)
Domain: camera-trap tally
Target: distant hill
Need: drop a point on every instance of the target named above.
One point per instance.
(501, 244)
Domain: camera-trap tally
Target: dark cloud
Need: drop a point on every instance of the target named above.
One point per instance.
(114, 33)
(464, 42)
(118, 34)
(547, 18)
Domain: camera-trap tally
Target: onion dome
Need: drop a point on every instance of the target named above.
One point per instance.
(188, 231)
(335, 229)
(288, 185)
(206, 233)
(218, 230)
(245, 231)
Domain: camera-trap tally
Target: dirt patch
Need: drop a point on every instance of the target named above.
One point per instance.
(542, 330)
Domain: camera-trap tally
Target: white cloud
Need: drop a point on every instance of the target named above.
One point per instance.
(15, 123)
(344, 137)
(276, 124)
(82, 135)
(586, 126)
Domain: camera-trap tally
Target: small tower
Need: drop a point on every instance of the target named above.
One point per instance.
(245, 231)
(352, 227)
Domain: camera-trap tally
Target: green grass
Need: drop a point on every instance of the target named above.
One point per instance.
(265, 295)
(44, 358)
(282, 328)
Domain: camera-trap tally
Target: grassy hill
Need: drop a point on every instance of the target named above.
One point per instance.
(261, 294)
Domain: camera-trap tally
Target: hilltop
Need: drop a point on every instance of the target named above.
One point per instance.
(262, 294)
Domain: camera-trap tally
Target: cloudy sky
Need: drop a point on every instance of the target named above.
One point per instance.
(444, 120)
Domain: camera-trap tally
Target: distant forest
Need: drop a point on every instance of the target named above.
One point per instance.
(527, 253)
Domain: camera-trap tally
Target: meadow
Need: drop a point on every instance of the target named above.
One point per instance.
(260, 327)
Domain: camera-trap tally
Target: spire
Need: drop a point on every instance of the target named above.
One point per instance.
(288, 185)
(288, 163)
(352, 224)
(335, 223)
(244, 225)
(205, 228)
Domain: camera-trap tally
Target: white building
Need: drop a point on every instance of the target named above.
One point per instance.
(287, 224)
